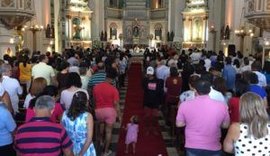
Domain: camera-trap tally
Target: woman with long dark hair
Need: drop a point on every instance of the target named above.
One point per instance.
(79, 125)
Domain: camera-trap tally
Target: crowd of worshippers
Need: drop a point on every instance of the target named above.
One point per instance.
(206, 92)
(74, 89)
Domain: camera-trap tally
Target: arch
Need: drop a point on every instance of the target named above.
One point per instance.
(158, 26)
(113, 25)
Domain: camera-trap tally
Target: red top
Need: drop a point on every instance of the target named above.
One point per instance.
(234, 109)
(105, 95)
(56, 115)
(173, 85)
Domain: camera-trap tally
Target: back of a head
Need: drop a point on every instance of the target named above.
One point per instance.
(45, 102)
(111, 73)
(42, 57)
(256, 66)
(37, 86)
(100, 65)
(63, 65)
(246, 61)
(193, 79)
(78, 105)
(253, 113)
(202, 86)
(50, 90)
(241, 87)
(174, 71)
(228, 60)
(207, 76)
(253, 78)
(5, 68)
(74, 79)
(219, 84)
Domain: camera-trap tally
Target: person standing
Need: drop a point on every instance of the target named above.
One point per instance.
(80, 125)
(229, 74)
(252, 135)
(43, 70)
(203, 118)
(12, 86)
(7, 126)
(153, 95)
(107, 108)
(173, 85)
(25, 69)
(40, 136)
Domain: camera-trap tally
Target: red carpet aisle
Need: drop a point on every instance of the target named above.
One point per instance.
(148, 145)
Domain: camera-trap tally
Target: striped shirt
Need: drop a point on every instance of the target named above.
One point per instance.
(97, 78)
(41, 137)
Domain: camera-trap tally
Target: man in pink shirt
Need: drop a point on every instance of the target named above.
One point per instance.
(203, 118)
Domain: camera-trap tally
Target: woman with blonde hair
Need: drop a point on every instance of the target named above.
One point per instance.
(252, 135)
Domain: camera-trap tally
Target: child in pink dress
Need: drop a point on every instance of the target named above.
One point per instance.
(132, 133)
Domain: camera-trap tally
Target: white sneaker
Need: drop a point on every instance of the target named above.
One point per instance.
(108, 153)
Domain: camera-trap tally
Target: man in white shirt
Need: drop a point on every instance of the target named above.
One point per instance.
(256, 67)
(43, 70)
(162, 71)
(12, 86)
(214, 94)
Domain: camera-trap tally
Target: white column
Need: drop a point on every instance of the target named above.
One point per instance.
(97, 19)
(57, 37)
(170, 10)
(179, 25)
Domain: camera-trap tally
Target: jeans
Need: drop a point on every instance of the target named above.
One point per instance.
(201, 152)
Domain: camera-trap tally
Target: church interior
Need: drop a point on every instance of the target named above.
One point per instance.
(48, 25)
(146, 34)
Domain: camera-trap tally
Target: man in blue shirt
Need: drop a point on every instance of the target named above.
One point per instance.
(7, 126)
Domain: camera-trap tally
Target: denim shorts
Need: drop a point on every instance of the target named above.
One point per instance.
(201, 152)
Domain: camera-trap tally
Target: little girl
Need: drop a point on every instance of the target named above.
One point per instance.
(132, 133)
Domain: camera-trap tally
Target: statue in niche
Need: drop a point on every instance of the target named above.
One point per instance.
(113, 33)
(101, 36)
(48, 31)
(136, 31)
(52, 31)
(227, 33)
(172, 36)
(77, 29)
(105, 36)
(197, 29)
(251, 6)
(158, 34)
(222, 34)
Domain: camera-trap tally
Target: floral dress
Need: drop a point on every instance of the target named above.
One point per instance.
(77, 131)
